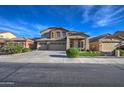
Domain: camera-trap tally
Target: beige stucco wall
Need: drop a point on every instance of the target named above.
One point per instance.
(67, 43)
(94, 46)
(53, 34)
(76, 37)
(7, 35)
(87, 44)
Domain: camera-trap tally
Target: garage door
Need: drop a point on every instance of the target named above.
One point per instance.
(108, 47)
(57, 46)
(42, 46)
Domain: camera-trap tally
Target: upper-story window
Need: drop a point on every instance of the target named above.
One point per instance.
(58, 34)
(46, 35)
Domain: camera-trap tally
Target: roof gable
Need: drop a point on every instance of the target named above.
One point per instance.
(52, 29)
(105, 36)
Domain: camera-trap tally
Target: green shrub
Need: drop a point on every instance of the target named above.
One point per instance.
(90, 53)
(72, 52)
(12, 48)
(26, 50)
(79, 49)
(122, 52)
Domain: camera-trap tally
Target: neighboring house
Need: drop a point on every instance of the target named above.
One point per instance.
(4, 36)
(25, 41)
(7, 35)
(57, 38)
(105, 43)
(120, 35)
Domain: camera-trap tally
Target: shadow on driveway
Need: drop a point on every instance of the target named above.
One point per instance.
(59, 56)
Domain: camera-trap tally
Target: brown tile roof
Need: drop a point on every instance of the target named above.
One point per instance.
(3, 40)
(102, 36)
(54, 28)
(78, 33)
(19, 39)
(45, 39)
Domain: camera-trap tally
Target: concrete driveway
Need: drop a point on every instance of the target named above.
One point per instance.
(56, 57)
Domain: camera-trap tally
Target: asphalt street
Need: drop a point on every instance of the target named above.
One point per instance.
(61, 75)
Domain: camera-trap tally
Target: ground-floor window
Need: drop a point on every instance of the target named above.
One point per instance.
(81, 45)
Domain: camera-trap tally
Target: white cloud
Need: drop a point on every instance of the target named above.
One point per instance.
(86, 12)
(106, 16)
(21, 28)
(103, 16)
(39, 27)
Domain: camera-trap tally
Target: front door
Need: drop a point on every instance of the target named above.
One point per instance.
(76, 43)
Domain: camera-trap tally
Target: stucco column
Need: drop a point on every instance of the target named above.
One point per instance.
(61, 35)
(84, 44)
(51, 34)
(67, 43)
(38, 45)
(87, 44)
(100, 46)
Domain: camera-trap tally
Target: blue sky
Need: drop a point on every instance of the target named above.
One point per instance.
(28, 21)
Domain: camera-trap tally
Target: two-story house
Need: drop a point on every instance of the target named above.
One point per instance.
(57, 38)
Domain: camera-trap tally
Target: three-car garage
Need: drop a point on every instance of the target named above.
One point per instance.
(51, 45)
